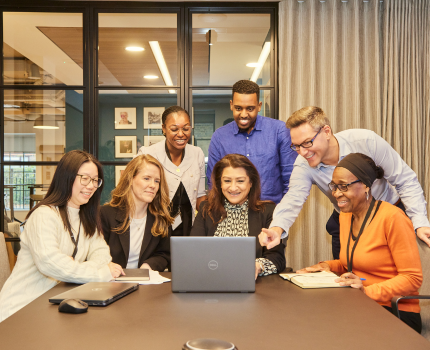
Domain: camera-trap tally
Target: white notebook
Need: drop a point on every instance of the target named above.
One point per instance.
(313, 279)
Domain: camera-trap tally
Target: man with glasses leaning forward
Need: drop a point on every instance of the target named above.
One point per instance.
(320, 152)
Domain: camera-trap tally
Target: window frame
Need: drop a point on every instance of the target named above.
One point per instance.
(90, 89)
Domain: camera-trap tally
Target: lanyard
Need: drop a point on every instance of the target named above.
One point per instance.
(75, 242)
(363, 225)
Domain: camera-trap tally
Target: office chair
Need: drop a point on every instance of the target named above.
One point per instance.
(425, 290)
(4, 261)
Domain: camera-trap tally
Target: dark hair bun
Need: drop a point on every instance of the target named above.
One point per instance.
(379, 172)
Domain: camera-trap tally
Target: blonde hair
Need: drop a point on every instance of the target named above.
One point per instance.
(315, 116)
(122, 197)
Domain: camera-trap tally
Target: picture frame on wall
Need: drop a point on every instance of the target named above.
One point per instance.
(125, 118)
(152, 117)
(118, 172)
(151, 140)
(125, 146)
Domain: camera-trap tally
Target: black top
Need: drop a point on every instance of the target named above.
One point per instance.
(155, 251)
(181, 202)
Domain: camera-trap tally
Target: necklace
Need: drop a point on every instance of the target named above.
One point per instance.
(140, 224)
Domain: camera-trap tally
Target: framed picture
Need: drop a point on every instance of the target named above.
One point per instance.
(125, 118)
(150, 140)
(118, 172)
(125, 146)
(152, 117)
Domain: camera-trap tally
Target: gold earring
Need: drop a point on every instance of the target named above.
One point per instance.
(367, 196)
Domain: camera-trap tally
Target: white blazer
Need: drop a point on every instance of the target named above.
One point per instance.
(191, 171)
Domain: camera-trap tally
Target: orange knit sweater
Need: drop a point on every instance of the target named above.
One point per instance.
(386, 256)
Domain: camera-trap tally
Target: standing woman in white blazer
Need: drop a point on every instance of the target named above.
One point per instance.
(184, 167)
(62, 240)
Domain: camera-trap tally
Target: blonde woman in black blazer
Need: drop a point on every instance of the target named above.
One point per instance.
(234, 209)
(136, 222)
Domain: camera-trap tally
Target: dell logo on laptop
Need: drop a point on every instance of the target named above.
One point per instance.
(213, 265)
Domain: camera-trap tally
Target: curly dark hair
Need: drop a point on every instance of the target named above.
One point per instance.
(246, 87)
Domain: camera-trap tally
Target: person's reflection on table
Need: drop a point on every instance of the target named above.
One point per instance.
(379, 254)
(234, 209)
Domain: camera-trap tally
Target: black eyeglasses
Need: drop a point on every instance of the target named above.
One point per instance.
(85, 180)
(342, 187)
(307, 144)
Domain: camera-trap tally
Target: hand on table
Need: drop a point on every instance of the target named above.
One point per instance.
(146, 266)
(115, 270)
(322, 266)
(424, 234)
(257, 269)
(270, 237)
(349, 279)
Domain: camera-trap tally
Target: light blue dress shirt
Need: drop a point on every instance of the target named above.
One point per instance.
(399, 180)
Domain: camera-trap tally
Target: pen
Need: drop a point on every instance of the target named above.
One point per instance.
(362, 279)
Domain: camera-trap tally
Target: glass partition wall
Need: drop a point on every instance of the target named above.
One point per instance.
(99, 79)
(42, 90)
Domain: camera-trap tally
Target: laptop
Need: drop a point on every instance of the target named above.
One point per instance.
(213, 264)
(97, 293)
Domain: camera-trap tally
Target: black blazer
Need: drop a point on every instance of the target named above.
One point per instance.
(204, 226)
(155, 251)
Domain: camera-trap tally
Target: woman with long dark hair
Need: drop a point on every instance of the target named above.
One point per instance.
(234, 209)
(62, 238)
(184, 168)
(136, 222)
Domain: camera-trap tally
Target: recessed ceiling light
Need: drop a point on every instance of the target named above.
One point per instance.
(134, 48)
(150, 77)
(261, 60)
(252, 65)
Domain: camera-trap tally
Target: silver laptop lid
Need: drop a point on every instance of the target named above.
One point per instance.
(97, 293)
(213, 264)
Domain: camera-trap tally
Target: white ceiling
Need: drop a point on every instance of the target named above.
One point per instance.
(239, 40)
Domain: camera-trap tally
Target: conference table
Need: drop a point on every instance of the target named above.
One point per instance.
(279, 315)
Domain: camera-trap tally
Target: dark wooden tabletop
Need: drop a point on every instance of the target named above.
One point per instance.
(279, 315)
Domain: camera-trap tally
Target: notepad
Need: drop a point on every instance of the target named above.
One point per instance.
(134, 275)
(312, 280)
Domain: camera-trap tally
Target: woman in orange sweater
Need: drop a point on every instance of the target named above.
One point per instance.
(377, 239)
